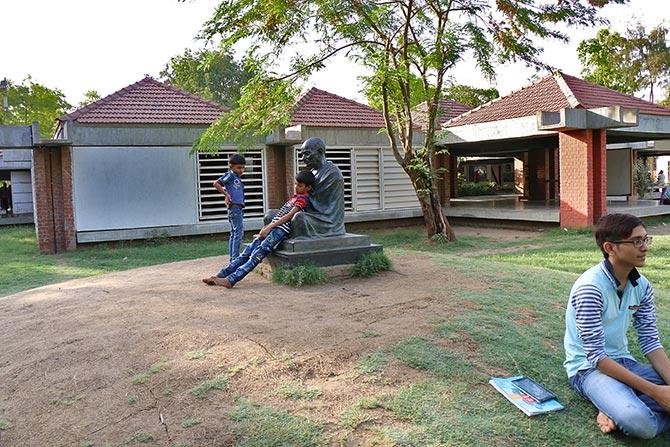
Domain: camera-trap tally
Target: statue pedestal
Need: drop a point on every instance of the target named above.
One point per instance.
(336, 254)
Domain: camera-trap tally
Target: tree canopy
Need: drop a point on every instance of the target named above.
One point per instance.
(90, 97)
(31, 101)
(211, 74)
(408, 46)
(471, 96)
(631, 63)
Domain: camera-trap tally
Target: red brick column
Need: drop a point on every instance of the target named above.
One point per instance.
(583, 170)
(275, 160)
(289, 173)
(53, 199)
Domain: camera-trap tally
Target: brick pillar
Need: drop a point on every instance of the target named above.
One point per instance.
(53, 199)
(275, 160)
(289, 173)
(450, 162)
(583, 169)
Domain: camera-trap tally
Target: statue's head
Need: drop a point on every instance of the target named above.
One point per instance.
(313, 152)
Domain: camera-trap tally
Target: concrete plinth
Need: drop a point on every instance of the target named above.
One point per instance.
(330, 251)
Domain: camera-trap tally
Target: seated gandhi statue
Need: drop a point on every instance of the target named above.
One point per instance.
(324, 215)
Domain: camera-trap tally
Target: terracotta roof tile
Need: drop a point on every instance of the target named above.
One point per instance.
(593, 95)
(319, 108)
(448, 109)
(149, 102)
(550, 94)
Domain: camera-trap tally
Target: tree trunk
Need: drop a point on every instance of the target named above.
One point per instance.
(433, 215)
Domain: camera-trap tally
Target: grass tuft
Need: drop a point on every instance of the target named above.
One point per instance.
(259, 426)
(297, 390)
(188, 423)
(371, 264)
(140, 378)
(143, 437)
(352, 417)
(300, 275)
(4, 425)
(219, 382)
(373, 363)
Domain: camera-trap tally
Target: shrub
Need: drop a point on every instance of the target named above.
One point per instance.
(476, 188)
(300, 275)
(370, 264)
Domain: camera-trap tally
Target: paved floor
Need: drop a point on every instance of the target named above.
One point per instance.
(509, 207)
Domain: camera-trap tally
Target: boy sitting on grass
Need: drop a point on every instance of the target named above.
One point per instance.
(630, 396)
(268, 238)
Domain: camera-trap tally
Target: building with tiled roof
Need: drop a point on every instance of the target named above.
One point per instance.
(319, 108)
(551, 94)
(447, 110)
(148, 102)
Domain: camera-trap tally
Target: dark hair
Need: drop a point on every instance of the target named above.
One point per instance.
(305, 177)
(661, 171)
(615, 227)
(236, 159)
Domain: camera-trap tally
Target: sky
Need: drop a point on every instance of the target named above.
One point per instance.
(80, 45)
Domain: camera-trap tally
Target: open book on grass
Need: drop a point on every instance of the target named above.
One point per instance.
(521, 399)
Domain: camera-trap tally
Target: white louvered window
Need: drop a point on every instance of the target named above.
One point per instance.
(342, 159)
(211, 205)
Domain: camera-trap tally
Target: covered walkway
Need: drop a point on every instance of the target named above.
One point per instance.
(563, 129)
(510, 208)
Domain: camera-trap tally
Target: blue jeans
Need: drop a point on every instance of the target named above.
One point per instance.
(236, 219)
(634, 413)
(252, 256)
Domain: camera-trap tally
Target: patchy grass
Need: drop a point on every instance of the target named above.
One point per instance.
(143, 437)
(297, 390)
(142, 377)
(373, 363)
(196, 355)
(259, 426)
(4, 424)
(352, 417)
(300, 275)
(219, 382)
(370, 333)
(371, 264)
(23, 267)
(188, 423)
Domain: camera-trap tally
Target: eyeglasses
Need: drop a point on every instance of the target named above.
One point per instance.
(637, 243)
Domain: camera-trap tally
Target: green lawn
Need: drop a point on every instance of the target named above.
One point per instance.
(23, 267)
(512, 324)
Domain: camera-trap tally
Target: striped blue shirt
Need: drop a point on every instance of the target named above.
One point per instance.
(598, 316)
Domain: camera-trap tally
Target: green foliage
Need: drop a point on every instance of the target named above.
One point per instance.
(476, 188)
(219, 382)
(297, 390)
(4, 425)
(407, 47)
(470, 96)
(639, 60)
(300, 275)
(258, 426)
(642, 181)
(210, 74)
(30, 101)
(90, 97)
(371, 264)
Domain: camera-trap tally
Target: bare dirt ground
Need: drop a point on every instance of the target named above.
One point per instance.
(70, 352)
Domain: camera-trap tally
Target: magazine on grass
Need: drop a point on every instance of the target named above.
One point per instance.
(521, 399)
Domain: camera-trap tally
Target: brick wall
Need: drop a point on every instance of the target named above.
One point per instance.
(583, 171)
(289, 172)
(53, 199)
(275, 162)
